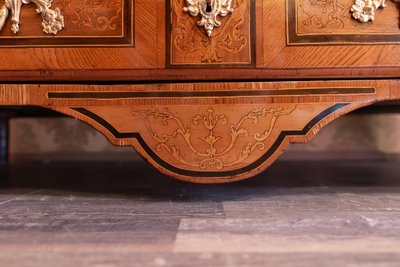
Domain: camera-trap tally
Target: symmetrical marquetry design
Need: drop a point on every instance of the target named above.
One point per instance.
(52, 20)
(230, 44)
(204, 143)
(218, 129)
(87, 23)
(209, 10)
(208, 143)
(331, 21)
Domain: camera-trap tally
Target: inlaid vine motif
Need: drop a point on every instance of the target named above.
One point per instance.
(325, 14)
(99, 15)
(178, 138)
(190, 39)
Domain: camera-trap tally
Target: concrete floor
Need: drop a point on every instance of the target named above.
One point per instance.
(327, 213)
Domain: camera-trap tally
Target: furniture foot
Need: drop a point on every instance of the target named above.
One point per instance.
(4, 131)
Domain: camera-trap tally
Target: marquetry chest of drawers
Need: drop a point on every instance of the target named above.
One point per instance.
(205, 90)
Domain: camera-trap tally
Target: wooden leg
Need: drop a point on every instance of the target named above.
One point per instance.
(3, 140)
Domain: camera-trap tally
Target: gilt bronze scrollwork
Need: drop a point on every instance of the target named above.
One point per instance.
(209, 11)
(52, 23)
(364, 10)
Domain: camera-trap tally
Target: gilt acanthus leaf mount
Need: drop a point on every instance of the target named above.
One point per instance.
(209, 10)
(52, 23)
(364, 10)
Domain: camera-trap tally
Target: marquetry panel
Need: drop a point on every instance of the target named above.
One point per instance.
(208, 140)
(324, 55)
(69, 59)
(87, 23)
(231, 44)
(328, 21)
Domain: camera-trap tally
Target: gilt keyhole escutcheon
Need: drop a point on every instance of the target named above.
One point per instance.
(209, 10)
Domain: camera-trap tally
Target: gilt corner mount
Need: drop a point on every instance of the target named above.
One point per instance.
(364, 10)
(52, 23)
(209, 11)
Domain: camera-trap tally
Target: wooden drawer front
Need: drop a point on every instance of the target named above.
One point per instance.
(230, 44)
(331, 22)
(86, 23)
(98, 35)
(322, 35)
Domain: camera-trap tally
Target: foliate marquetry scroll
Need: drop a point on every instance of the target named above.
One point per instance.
(100, 15)
(223, 143)
(209, 10)
(52, 20)
(324, 14)
(364, 10)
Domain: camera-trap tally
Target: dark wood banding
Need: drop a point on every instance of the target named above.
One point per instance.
(165, 94)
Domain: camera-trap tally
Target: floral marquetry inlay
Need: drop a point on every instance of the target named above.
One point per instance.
(212, 140)
(323, 14)
(99, 15)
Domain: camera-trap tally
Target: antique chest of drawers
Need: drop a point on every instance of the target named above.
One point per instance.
(207, 91)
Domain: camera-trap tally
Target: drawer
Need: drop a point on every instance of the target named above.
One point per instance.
(158, 40)
(97, 35)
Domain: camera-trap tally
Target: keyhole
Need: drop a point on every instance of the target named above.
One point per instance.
(209, 7)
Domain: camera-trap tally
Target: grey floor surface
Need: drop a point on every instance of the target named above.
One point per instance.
(327, 213)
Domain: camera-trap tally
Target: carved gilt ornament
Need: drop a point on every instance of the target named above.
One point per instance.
(364, 10)
(52, 23)
(209, 10)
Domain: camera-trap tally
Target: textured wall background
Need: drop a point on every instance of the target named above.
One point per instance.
(356, 135)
